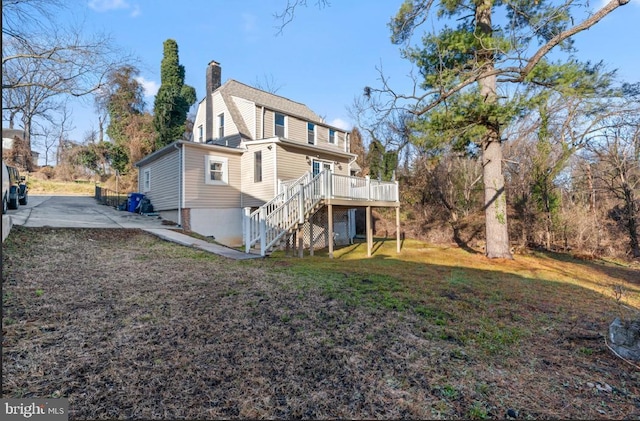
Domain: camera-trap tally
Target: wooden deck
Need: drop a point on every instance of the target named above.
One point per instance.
(298, 199)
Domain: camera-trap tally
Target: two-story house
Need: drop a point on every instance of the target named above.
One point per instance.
(241, 177)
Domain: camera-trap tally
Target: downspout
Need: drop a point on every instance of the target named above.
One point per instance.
(180, 166)
(275, 169)
(351, 162)
(262, 124)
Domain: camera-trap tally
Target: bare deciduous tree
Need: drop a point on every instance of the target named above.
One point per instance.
(617, 154)
(43, 59)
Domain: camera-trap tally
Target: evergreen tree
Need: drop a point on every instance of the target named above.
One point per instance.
(174, 98)
(375, 159)
(123, 99)
(463, 66)
(356, 146)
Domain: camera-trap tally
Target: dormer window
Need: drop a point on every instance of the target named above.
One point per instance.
(332, 136)
(311, 133)
(279, 128)
(200, 133)
(221, 125)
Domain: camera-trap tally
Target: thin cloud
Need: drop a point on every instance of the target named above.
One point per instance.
(106, 5)
(136, 11)
(340, 123)
(250, 28)
(150, 87)
(102, 6)
(249, 23)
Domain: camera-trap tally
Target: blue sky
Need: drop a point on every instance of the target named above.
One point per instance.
(323, 58)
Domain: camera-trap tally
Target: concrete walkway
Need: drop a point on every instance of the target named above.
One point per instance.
(185, 240)
(86, 212)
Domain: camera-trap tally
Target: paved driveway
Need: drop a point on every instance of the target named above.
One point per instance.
(77, 212)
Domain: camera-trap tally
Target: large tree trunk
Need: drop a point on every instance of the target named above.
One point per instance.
(632, 220)
(495, 198)
(28, 160)
(495, 201)
(592, 208)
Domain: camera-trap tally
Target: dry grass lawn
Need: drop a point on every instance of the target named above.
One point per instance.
(128, 326)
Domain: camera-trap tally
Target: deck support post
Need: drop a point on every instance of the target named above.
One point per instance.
(369, 232)
(263, 232)
(330, 223)
(246, 224)
(296, 235)
(300, 244)
(398, 230)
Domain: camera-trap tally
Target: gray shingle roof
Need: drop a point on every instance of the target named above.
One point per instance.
(263, 99)
(269, 100)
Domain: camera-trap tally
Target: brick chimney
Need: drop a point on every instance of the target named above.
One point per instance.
(213, 80)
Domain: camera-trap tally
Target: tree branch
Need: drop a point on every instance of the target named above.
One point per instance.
(514, 73)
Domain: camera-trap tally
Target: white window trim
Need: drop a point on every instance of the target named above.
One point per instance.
(261, 166)
(335, 135)
(220, 118)
(322, 163)
(146, 180)
(315, 134)
(225, 170)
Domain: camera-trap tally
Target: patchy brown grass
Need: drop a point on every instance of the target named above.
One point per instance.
(128, 326)
(40, 185)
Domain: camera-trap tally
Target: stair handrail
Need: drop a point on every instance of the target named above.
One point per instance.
(253, 219)
(293, 211)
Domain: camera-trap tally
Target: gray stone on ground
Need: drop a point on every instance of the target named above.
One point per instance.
(625, 338)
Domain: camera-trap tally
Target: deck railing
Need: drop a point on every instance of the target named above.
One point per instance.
(298, 198)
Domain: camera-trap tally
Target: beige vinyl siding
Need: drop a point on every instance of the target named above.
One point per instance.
(246, 109)
(201, 195)
(256, 194)
(291, 164)
(340, 139)
(220, 107)
(258, 120)
(269, 129)
(200, 121)
(322, 135)
(164, 181)
(297, 130)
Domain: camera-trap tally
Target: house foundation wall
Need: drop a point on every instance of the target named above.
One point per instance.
(169, 215)
(224, 225)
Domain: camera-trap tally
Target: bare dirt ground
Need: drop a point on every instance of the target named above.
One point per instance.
(130, 327)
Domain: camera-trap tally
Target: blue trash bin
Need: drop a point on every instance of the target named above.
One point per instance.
(134, 201)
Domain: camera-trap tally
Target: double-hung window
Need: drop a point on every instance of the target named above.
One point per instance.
(200, 133)
(216, 170)
(332, 136)
(279, 128)
(146, 180)
(311, 133)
